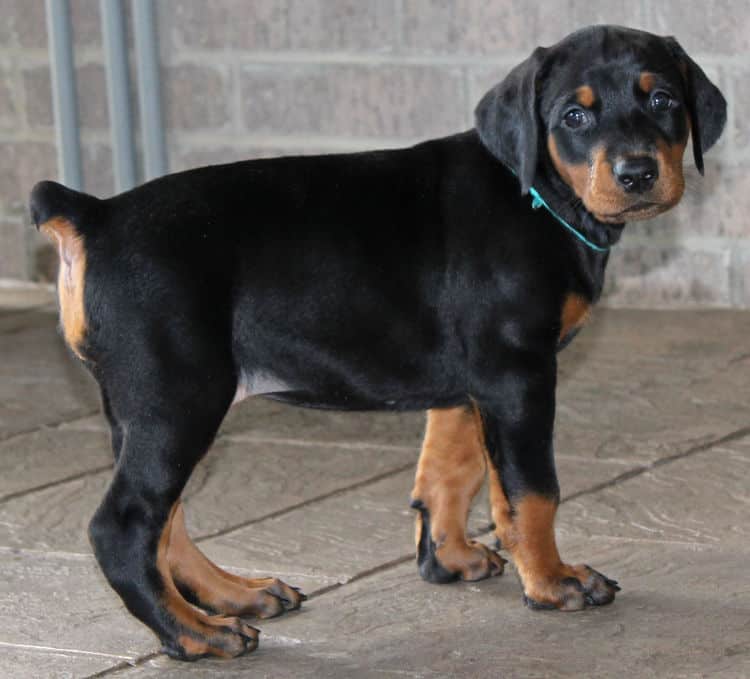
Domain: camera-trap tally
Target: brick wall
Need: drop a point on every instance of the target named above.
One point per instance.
(248, 78)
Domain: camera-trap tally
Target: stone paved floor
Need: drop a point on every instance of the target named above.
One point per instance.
(653, 443)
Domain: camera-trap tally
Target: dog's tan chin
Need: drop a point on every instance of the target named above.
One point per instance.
(616, 214)
(632, 215)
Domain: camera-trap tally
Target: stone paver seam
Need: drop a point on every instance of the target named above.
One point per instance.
(732, 436)
(49, 425)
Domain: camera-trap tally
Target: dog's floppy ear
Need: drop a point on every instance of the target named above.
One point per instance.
(707, 107)
(507, 119)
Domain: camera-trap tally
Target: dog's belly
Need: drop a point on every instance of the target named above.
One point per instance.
(345, 402)
(259, 384)
(268, 386)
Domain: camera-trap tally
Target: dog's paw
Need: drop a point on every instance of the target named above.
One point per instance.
(453, 559)
(270, 597)
(220, 636)
(571, 589)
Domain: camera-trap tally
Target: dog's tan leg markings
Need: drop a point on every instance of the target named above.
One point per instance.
(526, 528)
(70, 281)
(450, 472)
(216, 590)
(547, 581)
(202, 635)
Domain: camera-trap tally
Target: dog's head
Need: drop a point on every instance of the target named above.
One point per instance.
(608, 110)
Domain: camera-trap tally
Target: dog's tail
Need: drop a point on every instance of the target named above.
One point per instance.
(65, 216)
(53, 205)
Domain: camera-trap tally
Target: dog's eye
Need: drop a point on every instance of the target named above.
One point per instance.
(661, 101)
(575, 118)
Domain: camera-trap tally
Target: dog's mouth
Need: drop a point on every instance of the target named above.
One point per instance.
(644, 209)
(640, 210)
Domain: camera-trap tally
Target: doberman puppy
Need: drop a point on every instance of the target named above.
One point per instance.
(417, 278)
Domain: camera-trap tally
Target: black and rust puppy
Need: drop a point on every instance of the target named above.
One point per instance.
(410, 279)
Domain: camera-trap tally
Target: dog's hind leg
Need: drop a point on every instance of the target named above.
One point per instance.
(201, 581)
(206, 585)
(450, 472)
(169, 411)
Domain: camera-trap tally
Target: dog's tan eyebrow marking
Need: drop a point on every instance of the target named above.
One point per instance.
(585, 96)
(647, 81)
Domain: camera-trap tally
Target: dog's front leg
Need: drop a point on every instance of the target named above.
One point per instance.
(450, 472)
(517, 422)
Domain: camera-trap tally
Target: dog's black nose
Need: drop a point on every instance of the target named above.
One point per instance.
(636, 174)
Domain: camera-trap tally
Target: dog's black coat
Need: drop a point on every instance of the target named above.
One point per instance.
(404, 279)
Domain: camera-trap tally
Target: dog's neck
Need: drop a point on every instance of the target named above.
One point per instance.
(561, 199)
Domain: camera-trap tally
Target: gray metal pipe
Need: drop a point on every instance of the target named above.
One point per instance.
(64, 104)
(118, 93)
(149, 89)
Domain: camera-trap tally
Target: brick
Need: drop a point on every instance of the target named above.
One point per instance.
(667, 277)
(717, 27)
(8, 102)
(23, 24)
(38, 96)
(482, 78)
(719, 203)
(350, 100)
(719, 76)
(740, 130)
(467, 26)
(13, 258)
(184, 158)
(197, 97)
(715, 205)
(463, 26)
(92, 96)
(342, 24)
(22, 164)
(615, 12)
(98, 174)
(86, 23)
(257, 25)
(740, 277)
(45, 262)
(272, 25)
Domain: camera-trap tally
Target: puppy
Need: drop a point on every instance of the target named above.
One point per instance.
(418, 278)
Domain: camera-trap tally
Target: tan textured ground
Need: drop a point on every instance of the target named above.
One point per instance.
(653, 441)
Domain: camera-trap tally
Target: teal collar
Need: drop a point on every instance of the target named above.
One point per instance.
(538, 201)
